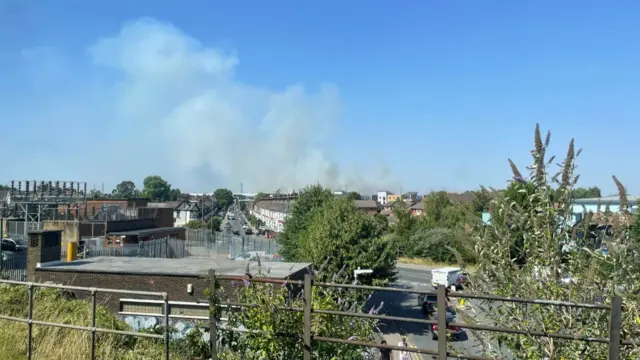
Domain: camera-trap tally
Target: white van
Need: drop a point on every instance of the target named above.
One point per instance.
(449, 276)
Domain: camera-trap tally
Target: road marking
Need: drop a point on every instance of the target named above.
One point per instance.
(411, 355)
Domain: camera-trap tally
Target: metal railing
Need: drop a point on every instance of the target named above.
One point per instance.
(441, 353)
(30, 321)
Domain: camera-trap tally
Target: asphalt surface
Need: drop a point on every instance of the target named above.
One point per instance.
(419, 335)
(253, 242)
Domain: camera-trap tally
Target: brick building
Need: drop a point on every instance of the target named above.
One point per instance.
(141, 274)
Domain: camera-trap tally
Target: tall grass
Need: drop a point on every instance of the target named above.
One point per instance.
(52, 343)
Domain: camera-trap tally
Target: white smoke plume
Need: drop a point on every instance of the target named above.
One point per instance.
(201, 128)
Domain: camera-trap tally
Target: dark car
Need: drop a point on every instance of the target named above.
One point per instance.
(453, 332)
(236, 232)
(248, 231)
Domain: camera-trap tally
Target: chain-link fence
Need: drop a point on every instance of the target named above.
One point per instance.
(204, 243)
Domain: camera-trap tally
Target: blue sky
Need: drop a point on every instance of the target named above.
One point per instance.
(412, 95)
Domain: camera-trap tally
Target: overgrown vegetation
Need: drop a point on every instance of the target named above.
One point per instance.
(50, 343)
(530, 251)
(213, 223)
(275, 334)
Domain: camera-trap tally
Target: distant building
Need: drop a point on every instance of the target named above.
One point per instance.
(382, 196)
(368, 206)
(184, 210)
(412, 195)
(391, 198)
(272, 213)
(417, 209)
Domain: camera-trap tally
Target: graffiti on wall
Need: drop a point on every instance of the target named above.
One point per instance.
(182, 327)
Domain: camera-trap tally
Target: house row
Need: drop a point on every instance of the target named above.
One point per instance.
(272, 213)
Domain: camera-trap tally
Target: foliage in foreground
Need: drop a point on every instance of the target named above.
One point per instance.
(51, 343)
(280, 330)
(530, 251)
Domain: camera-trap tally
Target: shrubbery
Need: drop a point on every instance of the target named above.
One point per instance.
(530, 247)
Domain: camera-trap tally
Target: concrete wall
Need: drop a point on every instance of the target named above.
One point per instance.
(44, 246)
(73, 231)
(70, 231)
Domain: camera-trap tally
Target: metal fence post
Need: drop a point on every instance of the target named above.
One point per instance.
(213, 325)
(307, 316)
(93, 323)
(30, 324)
(165, 299)
(615, 328)
(442, 322)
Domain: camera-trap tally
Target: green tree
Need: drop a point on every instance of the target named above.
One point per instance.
(95, 194)
(354, 196)
(195, 224)
(481, 201)
(545, 221)
(125, 190)
(403, 227)
(175, 194)
(214, 223)
(435, 208)
(442, 245)
(224, 197)
(4, 187)
(156, 188)
(309, 200)
(584, 193)
(339, 235)
(382, 221)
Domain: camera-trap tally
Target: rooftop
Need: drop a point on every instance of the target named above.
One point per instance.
(283, 206)
(144, 232)
(184, 266)
(366, 204)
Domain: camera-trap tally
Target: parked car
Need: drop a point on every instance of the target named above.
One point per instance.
(248, 231)
(9, 245)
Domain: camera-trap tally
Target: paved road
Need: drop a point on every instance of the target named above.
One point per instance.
(252, 242)
(406, 305)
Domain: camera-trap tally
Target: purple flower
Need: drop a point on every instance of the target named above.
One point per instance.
(519, 179)
(285, 283)
(246, 283)
(339, 301)
(351, 338)
(234, 283)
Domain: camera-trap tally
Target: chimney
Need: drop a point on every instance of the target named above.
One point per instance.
(44, 246)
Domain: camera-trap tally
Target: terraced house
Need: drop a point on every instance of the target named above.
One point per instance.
(272, 213)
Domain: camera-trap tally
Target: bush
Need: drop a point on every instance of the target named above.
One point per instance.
(52, 343)
(280, 330)
(528, 250)
(440, 245)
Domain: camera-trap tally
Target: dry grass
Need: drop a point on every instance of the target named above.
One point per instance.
(52, 343)
(428, 263)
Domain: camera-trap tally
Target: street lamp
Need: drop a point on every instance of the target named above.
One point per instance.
(359, 271)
